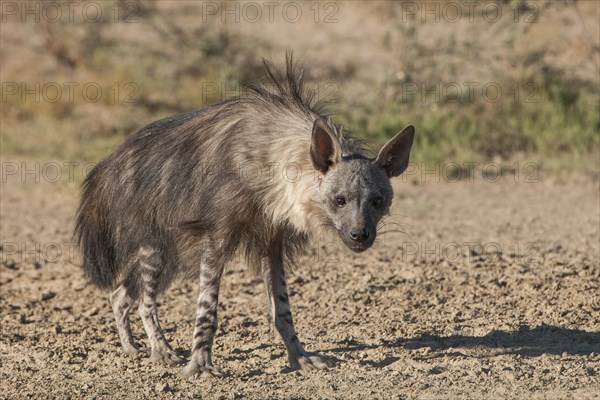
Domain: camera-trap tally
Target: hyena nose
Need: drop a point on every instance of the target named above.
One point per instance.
(359, 235)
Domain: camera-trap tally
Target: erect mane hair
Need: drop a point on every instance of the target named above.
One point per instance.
(289, 92)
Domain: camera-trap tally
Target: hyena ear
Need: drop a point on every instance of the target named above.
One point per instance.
(393, 156)
(325, 149)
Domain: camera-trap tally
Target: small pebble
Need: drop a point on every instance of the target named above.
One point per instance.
(161, 387)
(48, 295)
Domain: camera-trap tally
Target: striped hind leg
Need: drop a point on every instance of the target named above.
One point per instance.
(200, 364)
(150, 272)
(122, 301)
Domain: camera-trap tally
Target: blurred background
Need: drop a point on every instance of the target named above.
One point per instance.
(485, 289)
(500, 81)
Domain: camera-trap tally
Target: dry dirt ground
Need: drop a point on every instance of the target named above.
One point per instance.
(492, 292)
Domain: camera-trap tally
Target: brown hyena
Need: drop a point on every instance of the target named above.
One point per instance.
(172, 200)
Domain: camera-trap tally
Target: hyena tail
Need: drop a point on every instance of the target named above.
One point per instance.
(95, 238)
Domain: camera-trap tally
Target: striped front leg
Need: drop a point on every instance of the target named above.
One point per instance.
(274, 277)
(206, 320)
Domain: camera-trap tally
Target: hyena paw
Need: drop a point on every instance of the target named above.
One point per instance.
(196, 370)
(131, 349)
(166, 357)
(310, 362)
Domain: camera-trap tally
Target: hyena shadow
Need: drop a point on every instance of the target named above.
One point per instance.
(526, 341)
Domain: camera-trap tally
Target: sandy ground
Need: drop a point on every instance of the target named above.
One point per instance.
(493, 292)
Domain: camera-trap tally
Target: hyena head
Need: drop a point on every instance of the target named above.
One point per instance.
(355, 191)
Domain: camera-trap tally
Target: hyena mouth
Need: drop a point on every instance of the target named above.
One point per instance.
(358, 247)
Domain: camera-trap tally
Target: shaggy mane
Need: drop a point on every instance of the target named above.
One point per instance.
(289, 92)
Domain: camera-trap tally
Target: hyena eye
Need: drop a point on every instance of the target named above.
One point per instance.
(377, 201)
(340, 201)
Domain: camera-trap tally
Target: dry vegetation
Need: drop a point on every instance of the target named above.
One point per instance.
(377, 59)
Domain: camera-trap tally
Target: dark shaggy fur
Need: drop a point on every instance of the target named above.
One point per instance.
(164, 186)
(175, 198)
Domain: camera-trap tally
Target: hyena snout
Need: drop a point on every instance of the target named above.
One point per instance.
(358, 238)
(360, 235)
